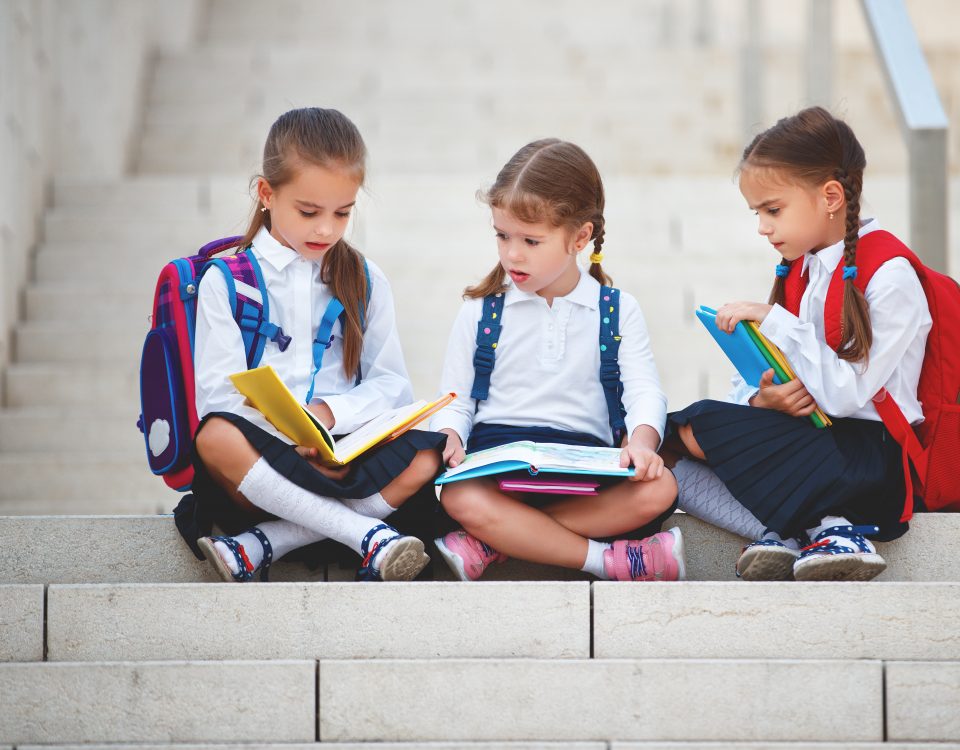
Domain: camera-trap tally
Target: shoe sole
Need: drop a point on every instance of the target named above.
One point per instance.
(678, 553)
(766, 564)
(852, 567)
(205, 544)
(453, 561)
(403, 560)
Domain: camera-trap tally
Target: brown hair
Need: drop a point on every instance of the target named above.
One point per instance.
(815, 147)
(549, 181)
(324, 138)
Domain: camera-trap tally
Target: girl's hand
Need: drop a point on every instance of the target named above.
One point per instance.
(453, 452)
(322, 412)
(330, 473)
(733, 312)
(647, 464)
(791, 398)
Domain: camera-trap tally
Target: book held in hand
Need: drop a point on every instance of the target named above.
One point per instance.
(753, 354)
(537, 459)
(271, 397)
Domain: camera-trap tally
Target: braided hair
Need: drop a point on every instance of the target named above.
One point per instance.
(814, 147)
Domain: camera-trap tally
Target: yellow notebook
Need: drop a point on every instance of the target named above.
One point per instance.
(270, 396)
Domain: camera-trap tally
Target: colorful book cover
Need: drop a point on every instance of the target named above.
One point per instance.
(271, 397)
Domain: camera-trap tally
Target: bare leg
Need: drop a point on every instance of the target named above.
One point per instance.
(511, 526)
(421, 470)
(615, 510)
(690, 442)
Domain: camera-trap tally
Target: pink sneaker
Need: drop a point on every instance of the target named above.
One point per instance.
(467, 556)
(656, 558)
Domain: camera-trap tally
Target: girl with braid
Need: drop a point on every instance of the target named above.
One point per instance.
(529, 354)
(760, 457)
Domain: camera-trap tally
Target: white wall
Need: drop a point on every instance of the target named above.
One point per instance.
(71, 83)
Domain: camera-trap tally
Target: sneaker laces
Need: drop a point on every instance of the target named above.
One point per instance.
(635, 557)
(824, 545)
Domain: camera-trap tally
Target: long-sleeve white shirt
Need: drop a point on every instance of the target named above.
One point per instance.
(547, 366)
(900, 319)
(297, 299)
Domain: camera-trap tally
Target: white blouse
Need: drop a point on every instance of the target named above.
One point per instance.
(297, 299)
(547, 366)
(900, 320)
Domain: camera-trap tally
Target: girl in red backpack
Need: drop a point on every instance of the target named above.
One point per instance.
(247, 473)
(827, 488)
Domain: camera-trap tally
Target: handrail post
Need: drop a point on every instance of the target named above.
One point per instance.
(923, 123)
(819, 62)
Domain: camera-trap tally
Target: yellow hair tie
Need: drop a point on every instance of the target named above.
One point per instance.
(596, 257)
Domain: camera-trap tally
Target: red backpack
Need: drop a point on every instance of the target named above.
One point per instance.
(934, 448)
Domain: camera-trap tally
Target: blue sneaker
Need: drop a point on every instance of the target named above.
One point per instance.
(766, 560)
(840, 553)
(397, 558)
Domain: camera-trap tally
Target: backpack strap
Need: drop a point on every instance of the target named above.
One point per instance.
(250, 305)
(324, 338)
(488, 334)
(609, 361)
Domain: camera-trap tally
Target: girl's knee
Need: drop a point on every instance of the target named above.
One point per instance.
(424, 467)
(464, 505)
(215, 437)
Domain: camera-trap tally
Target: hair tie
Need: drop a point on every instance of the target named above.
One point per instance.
(849, 272)
(783, 270)
(596, 257)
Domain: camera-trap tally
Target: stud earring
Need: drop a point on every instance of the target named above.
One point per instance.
(264, 210)
(831, 216)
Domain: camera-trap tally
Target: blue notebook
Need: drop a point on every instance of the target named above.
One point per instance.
(738, 346)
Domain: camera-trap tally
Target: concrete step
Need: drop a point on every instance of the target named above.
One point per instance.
(684, 620)
(155, 196)
(517, 745)
(114, 298)
(159, 702)
(21, 623)
(514, 699)
(76, 479)
(172, 231)
(84, 344)
(218, 621)
(90, 428)
(52, 385)
(148, 549)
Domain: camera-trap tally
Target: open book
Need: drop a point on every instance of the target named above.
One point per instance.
(268, 394)
(537, 458)
(753, 354)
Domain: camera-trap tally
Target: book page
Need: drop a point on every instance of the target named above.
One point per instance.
(544, 456)
(377, 428)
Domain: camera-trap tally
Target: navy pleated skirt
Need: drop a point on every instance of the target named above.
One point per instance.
(209, 504)
(790, 474)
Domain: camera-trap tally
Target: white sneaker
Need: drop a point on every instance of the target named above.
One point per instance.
(840, 553)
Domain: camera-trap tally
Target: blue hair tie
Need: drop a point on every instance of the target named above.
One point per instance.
(782, 270)
(849, 272)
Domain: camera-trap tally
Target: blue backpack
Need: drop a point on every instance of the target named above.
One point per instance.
(488, 334)
(168, 417)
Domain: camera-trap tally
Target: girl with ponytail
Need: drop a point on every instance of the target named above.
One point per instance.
(547, 351)
(270, 496)
(796, 484)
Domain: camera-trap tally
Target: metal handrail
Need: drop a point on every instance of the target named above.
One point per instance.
(923, 124)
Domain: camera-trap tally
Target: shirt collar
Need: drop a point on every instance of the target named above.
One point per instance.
(585, 293)
(830, 257)
(270, 249)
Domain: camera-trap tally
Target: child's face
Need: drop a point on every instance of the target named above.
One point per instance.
(793, 217)
(309, 214)
(539, 257)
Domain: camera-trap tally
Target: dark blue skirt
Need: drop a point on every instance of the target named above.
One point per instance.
(209, 504)
(790, 474)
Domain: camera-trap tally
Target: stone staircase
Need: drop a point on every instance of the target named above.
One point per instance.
(112, 634)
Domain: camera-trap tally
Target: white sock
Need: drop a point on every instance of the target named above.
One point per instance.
(276, 494)
(286, 536)
(594, 562)
(702, 494)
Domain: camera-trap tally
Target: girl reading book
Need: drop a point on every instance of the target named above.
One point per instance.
(545, 351)
(248, 472)
(765, 466)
